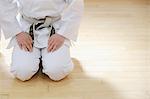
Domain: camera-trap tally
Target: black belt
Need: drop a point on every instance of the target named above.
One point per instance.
(36, 27)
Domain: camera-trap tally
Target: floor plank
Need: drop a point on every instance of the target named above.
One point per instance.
(112, 57)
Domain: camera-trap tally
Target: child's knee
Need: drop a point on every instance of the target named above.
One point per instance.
(23, 73)
(58, 73)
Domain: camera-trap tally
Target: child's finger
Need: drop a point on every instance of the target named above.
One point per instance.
(51, 47)
(24, 47)
(54, 48)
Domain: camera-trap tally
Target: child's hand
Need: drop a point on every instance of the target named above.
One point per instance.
(55, 42)
(24, 41)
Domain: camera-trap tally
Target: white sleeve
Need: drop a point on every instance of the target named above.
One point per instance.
(8, 21)
(70, 19)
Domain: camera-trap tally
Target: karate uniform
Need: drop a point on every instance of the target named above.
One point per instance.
(56, 65)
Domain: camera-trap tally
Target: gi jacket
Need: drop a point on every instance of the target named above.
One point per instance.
(70, 12)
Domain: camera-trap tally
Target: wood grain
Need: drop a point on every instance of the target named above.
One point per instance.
(112, 57)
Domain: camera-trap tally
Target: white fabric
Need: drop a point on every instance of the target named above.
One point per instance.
(8, 21)
(39, 41)
(70, 12)
(0, 33)
(41, 36)
(56, 65)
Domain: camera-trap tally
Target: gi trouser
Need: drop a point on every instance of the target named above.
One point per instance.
(56, 65)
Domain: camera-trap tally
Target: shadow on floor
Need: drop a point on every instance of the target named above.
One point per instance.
(76, 86)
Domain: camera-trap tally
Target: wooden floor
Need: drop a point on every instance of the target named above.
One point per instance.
(112, 57)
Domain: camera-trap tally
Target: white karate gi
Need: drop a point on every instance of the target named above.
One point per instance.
(25, 64)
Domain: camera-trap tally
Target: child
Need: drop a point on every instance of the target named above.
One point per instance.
(43, 29)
